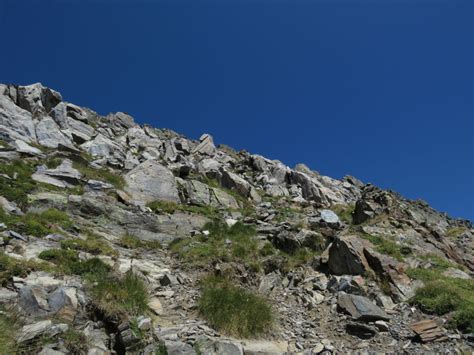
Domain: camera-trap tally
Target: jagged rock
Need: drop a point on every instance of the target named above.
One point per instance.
(37, 98)
(346, 256)
(360, 308)
(456, 273)
(7, 295)
(49, 134)
(201, 194)
(31, 331)
(15, 123)
(62, 176)
(427, 331)
(205, 146)
(151, 181)
(9, 207)
(24, 148)
(102, 146)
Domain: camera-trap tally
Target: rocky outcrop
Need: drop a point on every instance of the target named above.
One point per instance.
(336, 280)
(151, 181)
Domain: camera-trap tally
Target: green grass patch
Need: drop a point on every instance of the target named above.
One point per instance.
(344, 212)
(75, 341)
(233, 310)
(68, 262)
(120, 296)
(99, 174)
(300, 257)
(236, 243)
(42, 223)
(455, 232)
(10, 267)
(442, 294)
(133, 242)
(19, 184)
(171, 207)
(387, 246)
(8, 331)
(93, 244)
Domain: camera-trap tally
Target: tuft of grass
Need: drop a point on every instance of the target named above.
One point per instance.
(300, 257)
(236, 243)
(442, 294)
(92, 244)
(75, 341)
(171, 207)
(10, 267)
(19, 184)
(53, 162)
(120, 296)
(455, 232)
(133, 242)
(387, 246)
(42, 223)
(233, 310)
(344, 212)
(99, 174)
(68, 262)
(8, 331)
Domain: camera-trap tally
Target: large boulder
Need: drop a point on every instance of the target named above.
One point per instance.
(360, 308)
(15, 122)
(37, 98)
(346, 256)
(151, 181)
(206, 145)
(62, 176)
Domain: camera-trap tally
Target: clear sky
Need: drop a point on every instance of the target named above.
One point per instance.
(379, 89)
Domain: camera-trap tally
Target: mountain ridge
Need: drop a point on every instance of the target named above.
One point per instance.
(333, 257)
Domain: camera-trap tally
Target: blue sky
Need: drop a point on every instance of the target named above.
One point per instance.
(382, 90)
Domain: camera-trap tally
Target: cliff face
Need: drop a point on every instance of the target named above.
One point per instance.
(108, 229)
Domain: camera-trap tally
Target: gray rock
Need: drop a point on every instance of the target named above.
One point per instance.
(49, 134)
(151, 181)
(330, 217)
(178, 348)
(212, 346)
(31, 331)
(62, 176)
(15, 122)
(346, 256)
(24, 148)
(206, 145)
(36, 98)
(360, 308)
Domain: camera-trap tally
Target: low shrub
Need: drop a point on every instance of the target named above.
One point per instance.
(233, 310)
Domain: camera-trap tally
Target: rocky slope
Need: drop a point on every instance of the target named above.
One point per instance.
(345, 266)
